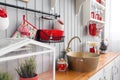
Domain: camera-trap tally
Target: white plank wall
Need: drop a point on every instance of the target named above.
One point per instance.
(73, 27)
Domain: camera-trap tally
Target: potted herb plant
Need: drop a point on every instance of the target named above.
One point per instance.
(5, 76)
(26, 70)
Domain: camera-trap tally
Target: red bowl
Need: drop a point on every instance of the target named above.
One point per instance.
(45, 34)
(57, 34)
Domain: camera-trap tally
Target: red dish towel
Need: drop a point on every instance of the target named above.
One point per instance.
(24, 30)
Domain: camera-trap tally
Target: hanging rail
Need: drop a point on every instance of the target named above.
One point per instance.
(32, 10)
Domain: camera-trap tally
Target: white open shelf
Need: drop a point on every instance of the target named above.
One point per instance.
(98, 21)
(100, 6)
(88, 7)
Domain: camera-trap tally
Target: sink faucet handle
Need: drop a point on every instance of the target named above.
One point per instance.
(68, 49)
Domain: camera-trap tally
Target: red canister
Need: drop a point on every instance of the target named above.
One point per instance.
(97, 16)
(92, 50)
(99, 1)
(62, 65)
(92, 15)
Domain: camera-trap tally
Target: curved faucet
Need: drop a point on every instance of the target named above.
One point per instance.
(68, 49)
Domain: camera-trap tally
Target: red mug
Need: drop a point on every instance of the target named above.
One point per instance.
(92, 29)
(92, 15)
(97, 16)
(100, 18)
(99, 1)
(92, 50)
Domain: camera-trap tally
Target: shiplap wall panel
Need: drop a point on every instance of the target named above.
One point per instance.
(3, 35)
(21, 13)
(66, 25)
(11, 13)
(61, 11)
(72, 22)
(72, 27)
(31, 15)
(11, 68)
(57, 44)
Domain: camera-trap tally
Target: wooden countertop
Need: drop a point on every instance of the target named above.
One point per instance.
(73, 75)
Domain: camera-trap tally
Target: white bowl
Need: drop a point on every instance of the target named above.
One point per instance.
(4, 23)
(58, 26)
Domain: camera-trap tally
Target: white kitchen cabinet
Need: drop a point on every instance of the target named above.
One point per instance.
(91, 10)
(116, 69)
(107, 73)
(98, 76)
(110, 72)
(12, 49)
(118, 65)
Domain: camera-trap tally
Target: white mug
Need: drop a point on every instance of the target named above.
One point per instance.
(4, 23)
(59, 25)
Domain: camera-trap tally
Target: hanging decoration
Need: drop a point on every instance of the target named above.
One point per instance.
(26, 29)
(4, 21)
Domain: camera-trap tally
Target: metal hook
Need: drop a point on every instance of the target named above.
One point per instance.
(23, 19)
(46, 18)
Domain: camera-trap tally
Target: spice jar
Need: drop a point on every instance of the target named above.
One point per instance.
(62, 65)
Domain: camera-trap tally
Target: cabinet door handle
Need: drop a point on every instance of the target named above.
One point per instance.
(112, 73)
(105, 78)
(117, 70)
(100, 79)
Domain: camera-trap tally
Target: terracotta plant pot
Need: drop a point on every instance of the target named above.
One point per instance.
(34, 78)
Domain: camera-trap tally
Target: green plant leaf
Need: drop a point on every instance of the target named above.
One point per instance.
(27, 68)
